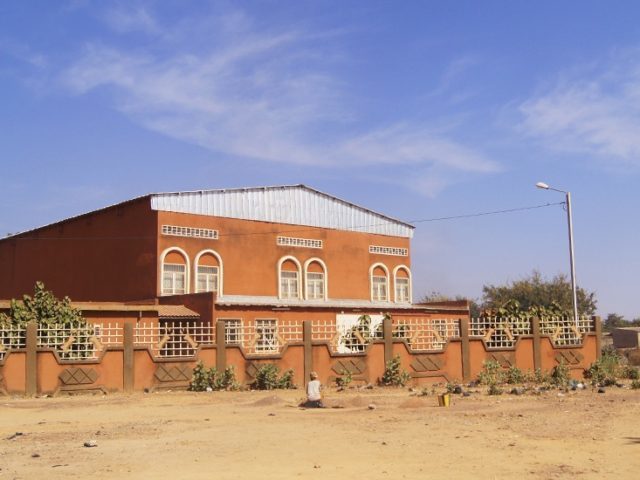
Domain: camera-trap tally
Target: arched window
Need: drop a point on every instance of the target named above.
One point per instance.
(315, 277)
(289, 272)
(379, 279)
(175, 271)
(402, 282)
(208, 266)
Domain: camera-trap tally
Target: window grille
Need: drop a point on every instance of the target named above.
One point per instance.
(395, 251)
(193, 232)
(315, 286)
(299, 242)
(379, 288)
(499, 332)
(402, 290)
(288, 284)
(207, 279)
(426, 334)
(173, 279)
(233, 331)
(12, 338)
(174, 339)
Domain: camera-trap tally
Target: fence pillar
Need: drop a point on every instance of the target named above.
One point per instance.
(387, 332)
(308, 350)
(128, 366)
(31, 363)
(466, 350)
(537, 353)
(221, 346)
(597, 323)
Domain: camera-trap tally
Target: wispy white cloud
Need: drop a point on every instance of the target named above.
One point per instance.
(264, 95)
(593, 110)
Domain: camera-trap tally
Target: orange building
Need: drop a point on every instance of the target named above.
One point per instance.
(223, 253)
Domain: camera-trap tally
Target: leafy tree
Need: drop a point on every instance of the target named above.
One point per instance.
(43, 308)
(536, 294)
(614, 320)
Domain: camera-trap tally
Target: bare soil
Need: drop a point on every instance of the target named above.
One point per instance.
(183, 435)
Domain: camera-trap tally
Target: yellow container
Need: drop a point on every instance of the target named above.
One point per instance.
(444, 400)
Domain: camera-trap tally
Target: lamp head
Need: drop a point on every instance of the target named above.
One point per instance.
(542, 185)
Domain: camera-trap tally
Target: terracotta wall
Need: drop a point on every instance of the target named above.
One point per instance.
(107, 255)
(250, 254)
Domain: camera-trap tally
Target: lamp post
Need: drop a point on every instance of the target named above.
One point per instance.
(574, 292)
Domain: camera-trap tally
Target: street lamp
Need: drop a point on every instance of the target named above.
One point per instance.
(574, 292)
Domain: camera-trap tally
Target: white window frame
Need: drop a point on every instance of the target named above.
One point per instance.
(325, 279)
(232, 328)
(187, 272)
(220, 290)
(373, 290)
(299, 277)
(395, 284)
(266, 335)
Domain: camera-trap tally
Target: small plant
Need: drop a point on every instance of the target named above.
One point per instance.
(394, 375)
(515, 375)
(267, 378)
(204, 378)
(631, 373)
(541, 377)
(494, 389)
(560, 375)
(451, 387)
(345, 379)
(635, 385)
(606, 369)
(491, 374)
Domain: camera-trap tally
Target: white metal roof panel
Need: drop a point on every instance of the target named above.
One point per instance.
(292, 204)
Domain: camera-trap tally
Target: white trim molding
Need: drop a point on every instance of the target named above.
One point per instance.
(196, 263)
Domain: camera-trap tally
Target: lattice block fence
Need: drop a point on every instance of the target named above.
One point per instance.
(266, 336)
(79, 342)
(174, 339)
(426, 334)
(12, 338)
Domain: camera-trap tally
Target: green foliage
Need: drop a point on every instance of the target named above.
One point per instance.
(394, 375)
(635, 385)
(494, 389)
(204, 378)
(606, 370)
(345, 379)
(560, 376)
(491, 374)
(515, 375)
(538, 296)
(630, 373)
(44, 309)
(541, 377)
(614, 320)
(268, 378)
(361, 330)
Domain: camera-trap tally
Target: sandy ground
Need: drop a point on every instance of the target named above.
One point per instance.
(183, 435)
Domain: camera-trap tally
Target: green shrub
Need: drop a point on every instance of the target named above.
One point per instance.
(345, 379)
(515, 375)
(267, 378)
(204, 378)
(394, 375)
(491, 374)
(560, 375)
(606, 370)
(541, 377)
(494, 390)
(631, 373)
(635, 384)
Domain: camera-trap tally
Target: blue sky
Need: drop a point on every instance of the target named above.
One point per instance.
(418, 110)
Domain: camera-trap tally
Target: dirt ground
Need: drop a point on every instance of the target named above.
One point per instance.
(183, 435)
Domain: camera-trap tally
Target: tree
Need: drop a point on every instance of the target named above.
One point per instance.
(44, 309)
(614, 320)
(536, 292)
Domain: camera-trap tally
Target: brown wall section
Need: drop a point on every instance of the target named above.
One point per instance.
(109, 255)
(250, 254)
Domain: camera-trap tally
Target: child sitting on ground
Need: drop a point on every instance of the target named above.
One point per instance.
(314, 397)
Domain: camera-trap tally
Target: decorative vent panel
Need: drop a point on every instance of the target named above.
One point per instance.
(299, 242)
(193, 232)
(395, 251)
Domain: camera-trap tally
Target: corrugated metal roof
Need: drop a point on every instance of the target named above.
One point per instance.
(289, 204)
